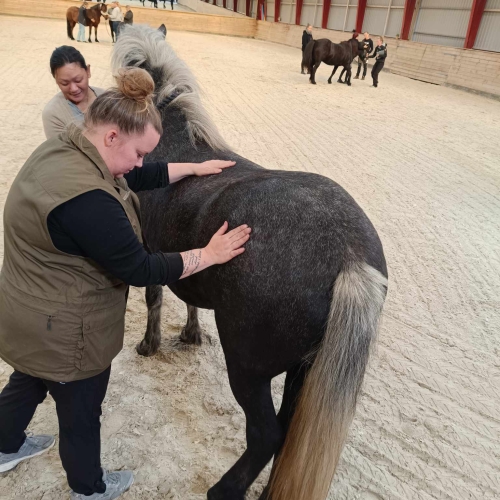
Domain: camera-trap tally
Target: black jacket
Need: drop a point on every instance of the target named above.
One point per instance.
(82, 18)
(380, 52)
(306, 38)
(368, 42)
(129, 17)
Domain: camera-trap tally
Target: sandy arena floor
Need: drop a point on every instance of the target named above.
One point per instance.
(423, 161)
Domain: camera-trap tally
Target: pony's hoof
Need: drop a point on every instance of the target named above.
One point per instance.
(144, 349)
(349, 84)
(329, 81)
(97, 41)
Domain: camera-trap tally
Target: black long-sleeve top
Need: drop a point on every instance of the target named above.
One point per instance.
(95, 225)
(380, 52)
(368, 42)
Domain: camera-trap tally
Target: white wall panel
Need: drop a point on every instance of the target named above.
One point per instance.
(336, 18)
(374, 20)
(395, 23)
(442, 22)
(287, 12)
(488, 36)
(270, 10)
(342, 15)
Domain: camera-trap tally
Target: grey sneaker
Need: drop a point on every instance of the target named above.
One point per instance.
(116, 484)
(32, 446)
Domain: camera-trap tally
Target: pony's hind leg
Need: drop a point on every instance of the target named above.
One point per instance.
(264, 435)
(293, 385)
(341, 75)
(192, 332)
(333, 72)
(151, 341)
(312, 78)
(95, 33)
(348, 76)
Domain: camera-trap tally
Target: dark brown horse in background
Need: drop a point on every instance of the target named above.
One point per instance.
(92, 18)
(333, 54)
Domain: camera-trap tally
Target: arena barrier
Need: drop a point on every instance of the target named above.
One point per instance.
(472, 70)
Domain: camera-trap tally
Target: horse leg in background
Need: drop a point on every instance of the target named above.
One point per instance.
(294, 381)
(95, 33)
(348, 76)
(263, 431)
(192, 333)
(90, 34)
(151, 341)
(69, 28)
(333, 72)
(312, 78)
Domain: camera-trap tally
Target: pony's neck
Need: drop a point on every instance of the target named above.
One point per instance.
(175, 144)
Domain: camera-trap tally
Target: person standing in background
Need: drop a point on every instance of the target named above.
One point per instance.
(115, 18)
(380, 54)
(172, 4)
(129, 16)
(82, 22)
(306, 38)
(368, 46)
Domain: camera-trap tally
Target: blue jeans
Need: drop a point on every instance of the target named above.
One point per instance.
(81, 32)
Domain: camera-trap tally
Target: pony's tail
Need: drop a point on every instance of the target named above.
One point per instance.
(326, 406)
(308, 59)
(68, 28)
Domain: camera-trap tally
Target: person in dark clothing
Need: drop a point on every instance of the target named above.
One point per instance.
(379, 54)
(172, 4)
(368, 45)
(129, 16)
(306, 38)
(73, 245)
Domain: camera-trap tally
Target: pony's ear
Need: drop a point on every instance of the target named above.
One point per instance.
(163, 29)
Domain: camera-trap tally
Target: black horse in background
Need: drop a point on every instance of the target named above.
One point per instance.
(333, 54)
(305, 297)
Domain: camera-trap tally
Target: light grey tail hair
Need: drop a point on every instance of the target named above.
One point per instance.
(142, 46)
(327, 402)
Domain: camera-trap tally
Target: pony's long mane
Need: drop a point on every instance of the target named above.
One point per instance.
(145, 47)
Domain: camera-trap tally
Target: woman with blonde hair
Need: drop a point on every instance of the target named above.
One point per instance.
(73, 245)
(379, 54)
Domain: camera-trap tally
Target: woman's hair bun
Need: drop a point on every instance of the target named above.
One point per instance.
(135, 83)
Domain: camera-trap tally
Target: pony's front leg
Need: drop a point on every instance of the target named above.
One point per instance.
(348, 76)
(151, 342)
(333, 72)
(264, 435)
(192, 333)
(95, 33)
(90, 34)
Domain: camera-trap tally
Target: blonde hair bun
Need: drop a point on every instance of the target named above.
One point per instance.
(135, 83)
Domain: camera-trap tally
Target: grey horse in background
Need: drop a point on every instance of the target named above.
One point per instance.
(305, 297)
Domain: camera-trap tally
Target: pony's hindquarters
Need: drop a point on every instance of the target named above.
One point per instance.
(327, 403)
(308, 58)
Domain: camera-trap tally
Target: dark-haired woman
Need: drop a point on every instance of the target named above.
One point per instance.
(72, 74)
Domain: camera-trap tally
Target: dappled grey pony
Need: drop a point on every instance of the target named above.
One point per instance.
(305, 297)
